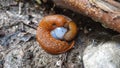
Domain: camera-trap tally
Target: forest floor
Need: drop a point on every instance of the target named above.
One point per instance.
(18, 45)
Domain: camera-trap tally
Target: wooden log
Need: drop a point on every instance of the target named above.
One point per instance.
(106, 12)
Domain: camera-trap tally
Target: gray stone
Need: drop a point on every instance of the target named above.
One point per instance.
(103, 55)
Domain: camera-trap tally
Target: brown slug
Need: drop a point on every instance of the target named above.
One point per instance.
(48, 42)
(72, 31)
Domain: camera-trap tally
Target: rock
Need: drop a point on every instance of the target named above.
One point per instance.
(104, 55)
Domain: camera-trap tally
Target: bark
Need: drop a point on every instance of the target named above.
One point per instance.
(106, 12)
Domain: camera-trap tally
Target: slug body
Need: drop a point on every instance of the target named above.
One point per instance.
(72, 31)
(47, 41)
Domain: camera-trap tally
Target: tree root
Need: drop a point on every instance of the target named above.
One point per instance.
(106, 12)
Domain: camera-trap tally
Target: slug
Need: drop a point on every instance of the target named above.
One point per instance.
(55, 44)
(72, 31)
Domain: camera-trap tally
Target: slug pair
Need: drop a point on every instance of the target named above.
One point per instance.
(55, 33)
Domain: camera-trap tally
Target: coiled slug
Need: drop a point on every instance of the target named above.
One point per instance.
(48, 42)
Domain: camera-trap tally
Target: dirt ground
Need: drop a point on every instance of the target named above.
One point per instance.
(18, 45)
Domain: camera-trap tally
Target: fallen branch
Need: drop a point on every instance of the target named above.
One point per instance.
(106, 12)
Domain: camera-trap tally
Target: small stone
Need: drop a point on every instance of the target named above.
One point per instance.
(59, 63)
